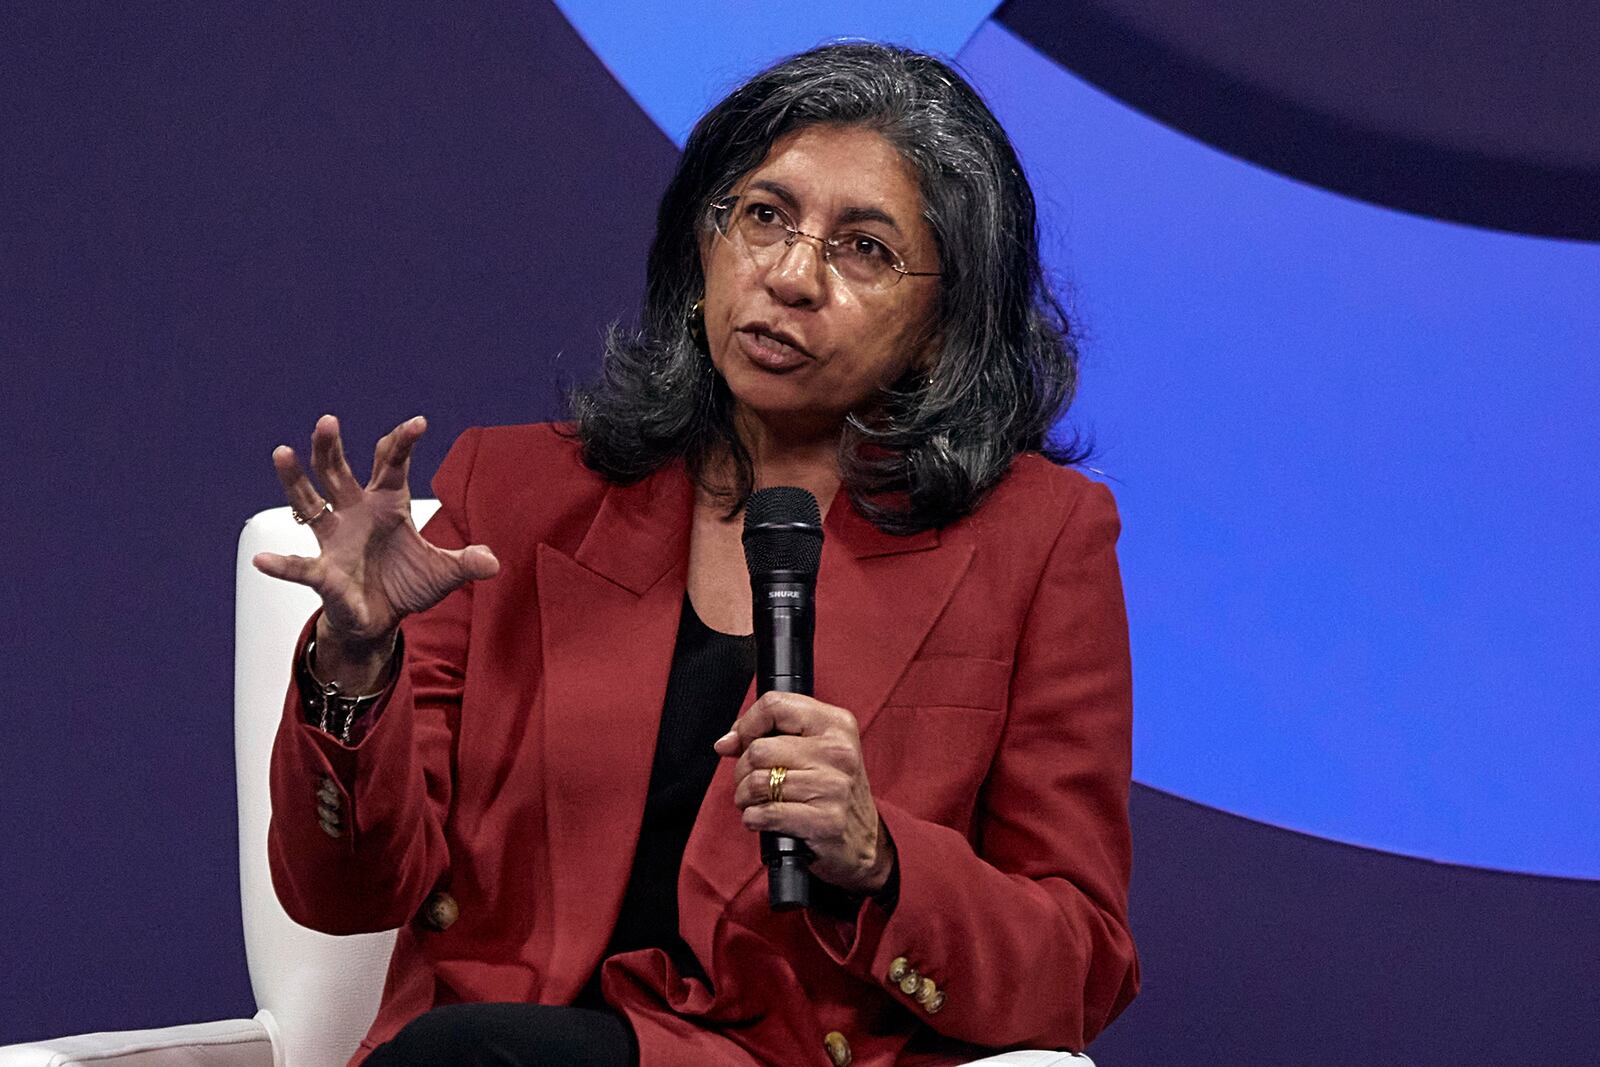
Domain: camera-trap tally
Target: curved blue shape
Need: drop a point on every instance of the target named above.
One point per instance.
(1356, 455)
(678, 59)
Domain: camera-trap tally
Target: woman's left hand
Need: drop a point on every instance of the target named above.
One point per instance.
(826, 799)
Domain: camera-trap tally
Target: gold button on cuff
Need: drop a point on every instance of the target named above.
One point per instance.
(909, 984)
(899, 969)
(932, 1007)
(926, 991)
(838, 1049)
(440, 911)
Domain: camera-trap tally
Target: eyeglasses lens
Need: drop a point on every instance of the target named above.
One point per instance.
(858, 259)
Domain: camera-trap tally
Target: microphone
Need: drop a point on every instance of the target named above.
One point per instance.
(782, 548)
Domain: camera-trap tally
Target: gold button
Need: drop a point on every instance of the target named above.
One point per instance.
(440, 911)
(332, 829)
(926, 991)
(909, 984)
(838, 1049)
(932, 1007)
(899, 969)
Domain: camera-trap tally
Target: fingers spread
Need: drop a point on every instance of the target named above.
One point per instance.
(327, 459)
(391, 461)
(297, 488)
(476, 562)
(302, 570)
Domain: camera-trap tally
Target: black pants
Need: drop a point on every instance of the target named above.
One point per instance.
(510, 1035)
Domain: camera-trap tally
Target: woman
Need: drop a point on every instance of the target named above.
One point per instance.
(545, 780)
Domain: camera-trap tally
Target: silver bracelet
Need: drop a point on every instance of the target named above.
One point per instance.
(333, 711)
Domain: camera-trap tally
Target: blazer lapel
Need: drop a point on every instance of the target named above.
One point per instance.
(878, 595)
(608, 619)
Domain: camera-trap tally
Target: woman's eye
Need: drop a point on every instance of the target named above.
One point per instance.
(860, 246)
(765, 214)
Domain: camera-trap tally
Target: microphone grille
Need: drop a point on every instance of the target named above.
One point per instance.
(782, 531)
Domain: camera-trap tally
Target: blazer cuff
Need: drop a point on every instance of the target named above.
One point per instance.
(901, 951)
(305, 681)
(851, 940)
(338, 770)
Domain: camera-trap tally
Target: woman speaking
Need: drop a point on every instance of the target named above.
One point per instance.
(525, 735)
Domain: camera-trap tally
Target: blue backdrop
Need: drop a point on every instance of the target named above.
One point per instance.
(1348, 443)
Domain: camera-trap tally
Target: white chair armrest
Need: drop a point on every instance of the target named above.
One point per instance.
(234, 1043)
(1026, 1058)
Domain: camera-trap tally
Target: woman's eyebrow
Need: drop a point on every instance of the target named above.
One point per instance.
(779, 190)
(854, 213)
(868, 214)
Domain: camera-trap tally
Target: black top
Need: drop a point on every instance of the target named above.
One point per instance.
(711, 672)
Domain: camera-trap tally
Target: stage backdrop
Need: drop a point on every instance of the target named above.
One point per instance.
(1337, 272)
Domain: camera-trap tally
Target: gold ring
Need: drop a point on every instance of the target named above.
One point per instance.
(775, 784)
(327, 509)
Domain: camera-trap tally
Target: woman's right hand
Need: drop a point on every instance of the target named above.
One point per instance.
(374, 568)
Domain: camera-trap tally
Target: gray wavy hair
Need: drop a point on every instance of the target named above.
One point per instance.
(1005, 365)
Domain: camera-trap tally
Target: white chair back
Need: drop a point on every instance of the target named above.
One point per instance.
(317, 994)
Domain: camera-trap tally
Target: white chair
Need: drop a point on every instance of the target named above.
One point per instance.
(317, 994)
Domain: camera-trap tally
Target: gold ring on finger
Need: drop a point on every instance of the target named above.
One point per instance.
(775, 779)
(327, 509)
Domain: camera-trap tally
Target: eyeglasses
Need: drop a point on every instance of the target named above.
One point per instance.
(859, 259)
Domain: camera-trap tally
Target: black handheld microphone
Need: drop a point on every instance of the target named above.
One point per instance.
(782, 548)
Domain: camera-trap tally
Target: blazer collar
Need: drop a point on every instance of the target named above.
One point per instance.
(848, 529)
(641, 530)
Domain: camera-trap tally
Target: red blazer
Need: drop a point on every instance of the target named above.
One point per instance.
(491, 813)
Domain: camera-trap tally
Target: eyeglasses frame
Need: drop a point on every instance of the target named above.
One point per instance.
(825, 245)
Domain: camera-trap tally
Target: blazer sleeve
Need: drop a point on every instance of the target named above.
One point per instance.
(1022, 928)
(372, 867)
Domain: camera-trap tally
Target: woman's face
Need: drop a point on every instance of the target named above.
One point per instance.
(799, 346)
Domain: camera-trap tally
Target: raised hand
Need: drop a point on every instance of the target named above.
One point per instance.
(374, 568)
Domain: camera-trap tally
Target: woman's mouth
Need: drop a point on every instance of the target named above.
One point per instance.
(770, 353)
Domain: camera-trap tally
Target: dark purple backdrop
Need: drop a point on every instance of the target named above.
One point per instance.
(216, 224)
(220, 222)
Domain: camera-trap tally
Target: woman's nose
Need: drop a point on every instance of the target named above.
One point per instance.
(797, 276)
